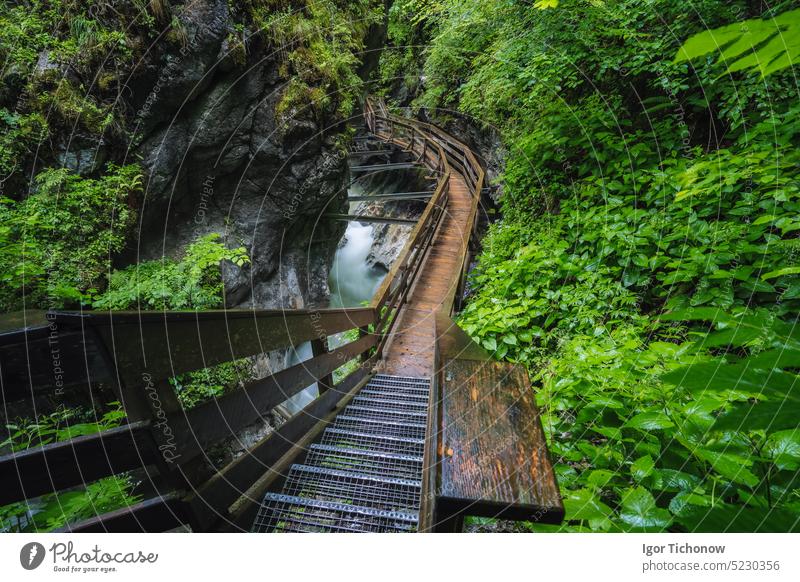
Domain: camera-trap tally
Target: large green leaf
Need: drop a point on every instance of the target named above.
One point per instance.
(640, 511)
(743, 377)
(758, 416)
(672, 480)
(764, 45)
(650, 421)
(784, 448)
(728, 465)
(642, 467)
(584, 505)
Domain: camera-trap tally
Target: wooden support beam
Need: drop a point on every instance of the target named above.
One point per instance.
(224, 417)
(385, 167)
(40, 470)
(423, 195)
(376, 219)
(158, 345)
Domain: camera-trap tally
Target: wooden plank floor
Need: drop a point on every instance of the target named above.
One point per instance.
(410, 351)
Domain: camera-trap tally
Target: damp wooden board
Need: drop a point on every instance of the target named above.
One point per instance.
(492, 453)
(411, 350)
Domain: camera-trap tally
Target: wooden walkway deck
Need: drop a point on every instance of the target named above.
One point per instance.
(411, 349)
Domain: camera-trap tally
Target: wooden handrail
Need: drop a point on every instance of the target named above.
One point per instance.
(448, 152)
(44, 469)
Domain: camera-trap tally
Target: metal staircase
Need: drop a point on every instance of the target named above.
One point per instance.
(365, 474)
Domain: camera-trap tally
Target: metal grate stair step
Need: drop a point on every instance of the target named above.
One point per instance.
(385, 394)
(404, 392)
(400, 379)
(351, 488)
(385, 414)
(365, 473)
(371, 442)
(381, 428)
(288, 513)
(397, 405)
(365, 462)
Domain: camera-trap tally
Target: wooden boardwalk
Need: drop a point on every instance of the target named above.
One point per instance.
(410, 352)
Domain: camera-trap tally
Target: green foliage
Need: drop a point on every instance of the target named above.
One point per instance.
(19, 135)
(348, 368)
(763, 45)
(636, 186)
(59, 426)
(56, 245)
(197, 387)
(53, 511)
(194, 282)
(322, 43)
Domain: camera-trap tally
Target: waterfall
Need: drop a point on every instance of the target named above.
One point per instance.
(299, 401)
(352, 281)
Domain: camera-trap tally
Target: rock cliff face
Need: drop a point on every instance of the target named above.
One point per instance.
(220, 158)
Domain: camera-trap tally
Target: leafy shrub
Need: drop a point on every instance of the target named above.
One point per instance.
(59, 426)
(19, 135)
(194, 282)
(321, 43)
(56, 245)
(54, 510)
(197, 387)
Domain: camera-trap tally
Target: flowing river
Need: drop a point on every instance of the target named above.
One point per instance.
(352, 282)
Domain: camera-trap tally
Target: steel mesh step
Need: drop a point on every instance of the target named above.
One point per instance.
(385, 414)
(349, 488)
(296, 514)
(381, 428)
(364, 475)
(396, 405)
(406, 398)
(415, 393)
(400, 379)
(365, 462)
(370, 442)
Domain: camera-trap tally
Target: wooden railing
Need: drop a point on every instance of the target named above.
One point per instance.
(144, 350)
(137, 353)
(443, 154)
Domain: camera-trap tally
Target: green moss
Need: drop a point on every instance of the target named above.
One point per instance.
(320, 44)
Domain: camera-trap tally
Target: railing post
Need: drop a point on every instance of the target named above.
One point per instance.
(318, 348)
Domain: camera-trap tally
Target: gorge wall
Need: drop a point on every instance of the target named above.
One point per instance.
(235, 114)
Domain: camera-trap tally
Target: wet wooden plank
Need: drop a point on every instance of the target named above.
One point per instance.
(411, 349)
(159, 345)
(224, 417)
(152, 515)
(493, 459)
(56, 466)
